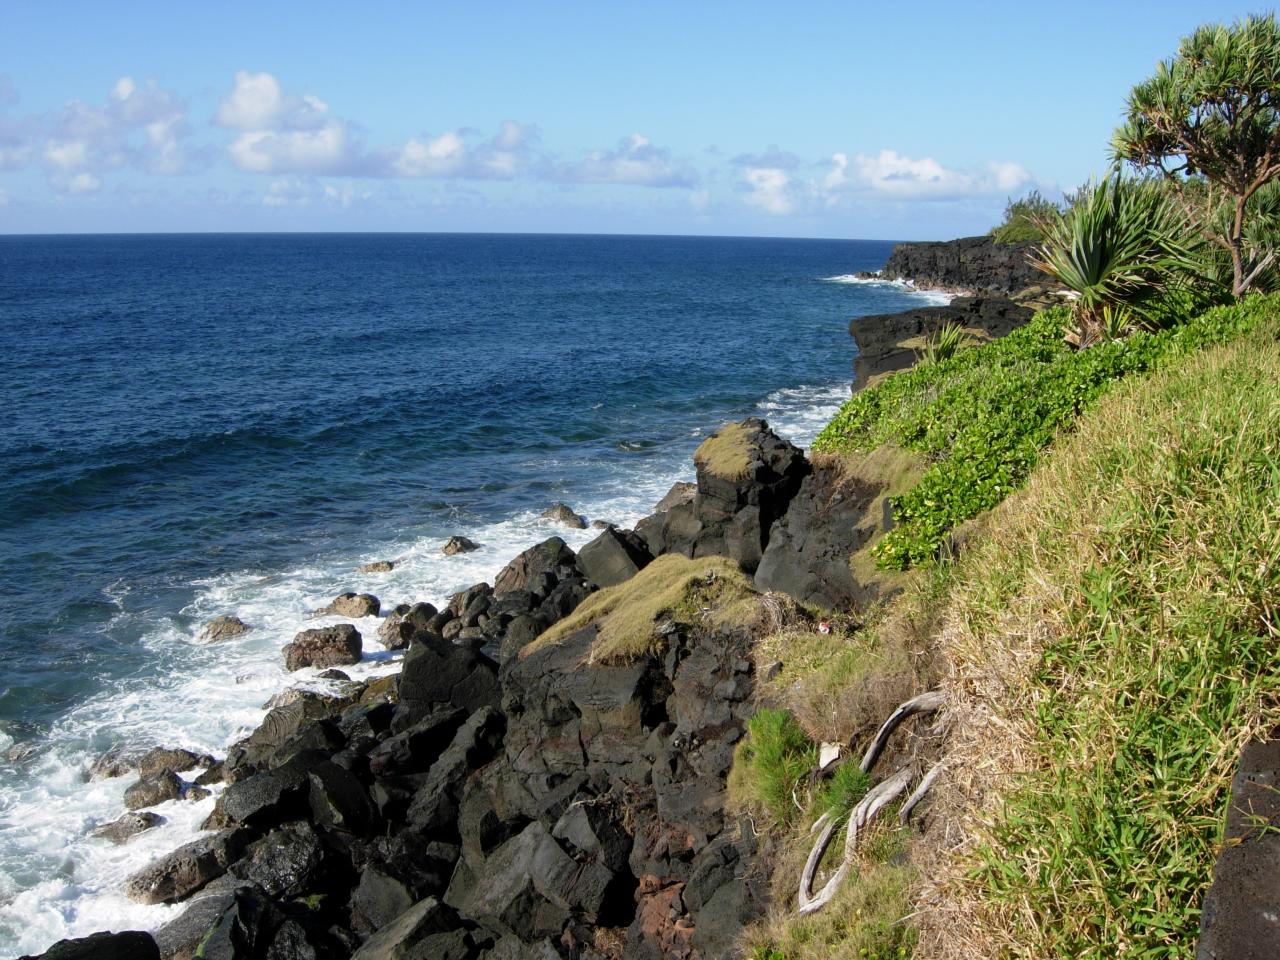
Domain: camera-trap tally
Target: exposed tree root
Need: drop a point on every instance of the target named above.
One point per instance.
(924, 703)
(925, 783)
(876, 799)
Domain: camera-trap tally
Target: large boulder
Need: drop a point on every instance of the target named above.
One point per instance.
(456, 545)
(404, 623)
(613, 557)
(747, 476)
(538, 568)
(127, 945)
(184, 871)
(437, 672)
(288, 862)
(428, 929)
(159, 759)
(335, 646)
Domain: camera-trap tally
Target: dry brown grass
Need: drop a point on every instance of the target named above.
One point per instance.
(710, 591)
(726, 452)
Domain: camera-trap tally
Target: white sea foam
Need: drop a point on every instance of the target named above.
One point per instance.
(932, 297)
(56, 882)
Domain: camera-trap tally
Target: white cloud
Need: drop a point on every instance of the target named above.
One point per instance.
(896, 175)
(635, 161)
(257, 102)
(304, 191)
(769, 188)
(83, 183)
(325, 150)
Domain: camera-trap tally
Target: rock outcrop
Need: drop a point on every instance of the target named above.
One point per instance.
(890, 342)
(973, 264)
(223, 628)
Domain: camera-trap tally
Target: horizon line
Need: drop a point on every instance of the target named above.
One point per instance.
(440, 233)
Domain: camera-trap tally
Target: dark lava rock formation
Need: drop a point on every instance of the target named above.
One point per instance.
(975, 264)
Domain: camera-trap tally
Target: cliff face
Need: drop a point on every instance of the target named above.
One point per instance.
(976, 264)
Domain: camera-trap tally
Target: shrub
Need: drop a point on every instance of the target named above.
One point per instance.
(775, 757)
(1023, 219)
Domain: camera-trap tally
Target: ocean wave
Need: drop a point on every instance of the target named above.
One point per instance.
(933, 297)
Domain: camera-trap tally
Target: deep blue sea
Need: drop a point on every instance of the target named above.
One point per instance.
(231, 424)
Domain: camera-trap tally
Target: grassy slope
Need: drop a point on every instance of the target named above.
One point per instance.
(1100, 640)
(1110, 647)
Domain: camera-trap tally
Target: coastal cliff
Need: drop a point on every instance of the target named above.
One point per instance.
(970, 264)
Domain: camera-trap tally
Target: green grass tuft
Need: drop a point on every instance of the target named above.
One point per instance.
(773, 760)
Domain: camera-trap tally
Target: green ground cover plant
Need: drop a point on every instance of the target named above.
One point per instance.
(1117, 635)
(982, 416)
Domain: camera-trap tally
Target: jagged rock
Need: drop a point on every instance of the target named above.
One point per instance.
(339, 802)
(348, 604)
(116, 762)
(435, 804)
(680, 493)
(127, 945)
(547, 559)
(456, 545)
(281, 724)
(287, 862)
(180, 938)
(153, 789)
(335, 646)
(377, 566)
(127, 827)
(223, 628)
(404, 623)
(427, 929)
(594, 828)
(827, 521)
(378, 899)
(414, 750)
(437, 672)
(602, 524)
(245, 929)
(187, 869)
(613, 557)
(268, 797)
(564, 515)
(422, 864)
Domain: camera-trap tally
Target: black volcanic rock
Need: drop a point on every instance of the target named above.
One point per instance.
(976, 264)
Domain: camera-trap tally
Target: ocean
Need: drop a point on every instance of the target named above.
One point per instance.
(232, 424)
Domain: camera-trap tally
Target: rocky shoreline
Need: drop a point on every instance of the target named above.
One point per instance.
(501, 798)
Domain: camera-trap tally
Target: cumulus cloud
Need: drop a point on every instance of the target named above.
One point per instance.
(769, 181)
(636, 161)
(896, 175)
(284, 133)
(139, 126)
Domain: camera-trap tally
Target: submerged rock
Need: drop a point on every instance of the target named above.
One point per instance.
(564, 515)
(223, 628)
(127, 827)
(153, 789)
(336, 646)
(377, 566)
(456, 545)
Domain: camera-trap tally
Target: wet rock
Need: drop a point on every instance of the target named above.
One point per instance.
(456, 545)
(335, 646)
(354, 605)
(377, 566)
(245, 929)
(153, 789)
(187, 869)
(223, 628)
(422, 864)
(334, 674)
(160, 759)
(613, 557)
(127, 945)
(126, 827)
(602, 524)
(427, 929)
(180, 938)
(404, 623)
(269, 797)
(378, 899)
(288, 862)
(564, 515)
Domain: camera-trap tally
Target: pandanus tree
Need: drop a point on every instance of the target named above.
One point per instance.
(1208, 122)
(1117, 248)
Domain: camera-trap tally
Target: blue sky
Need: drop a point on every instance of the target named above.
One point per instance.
(892, 121)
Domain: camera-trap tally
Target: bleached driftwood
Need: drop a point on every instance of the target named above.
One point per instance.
(925, 783)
